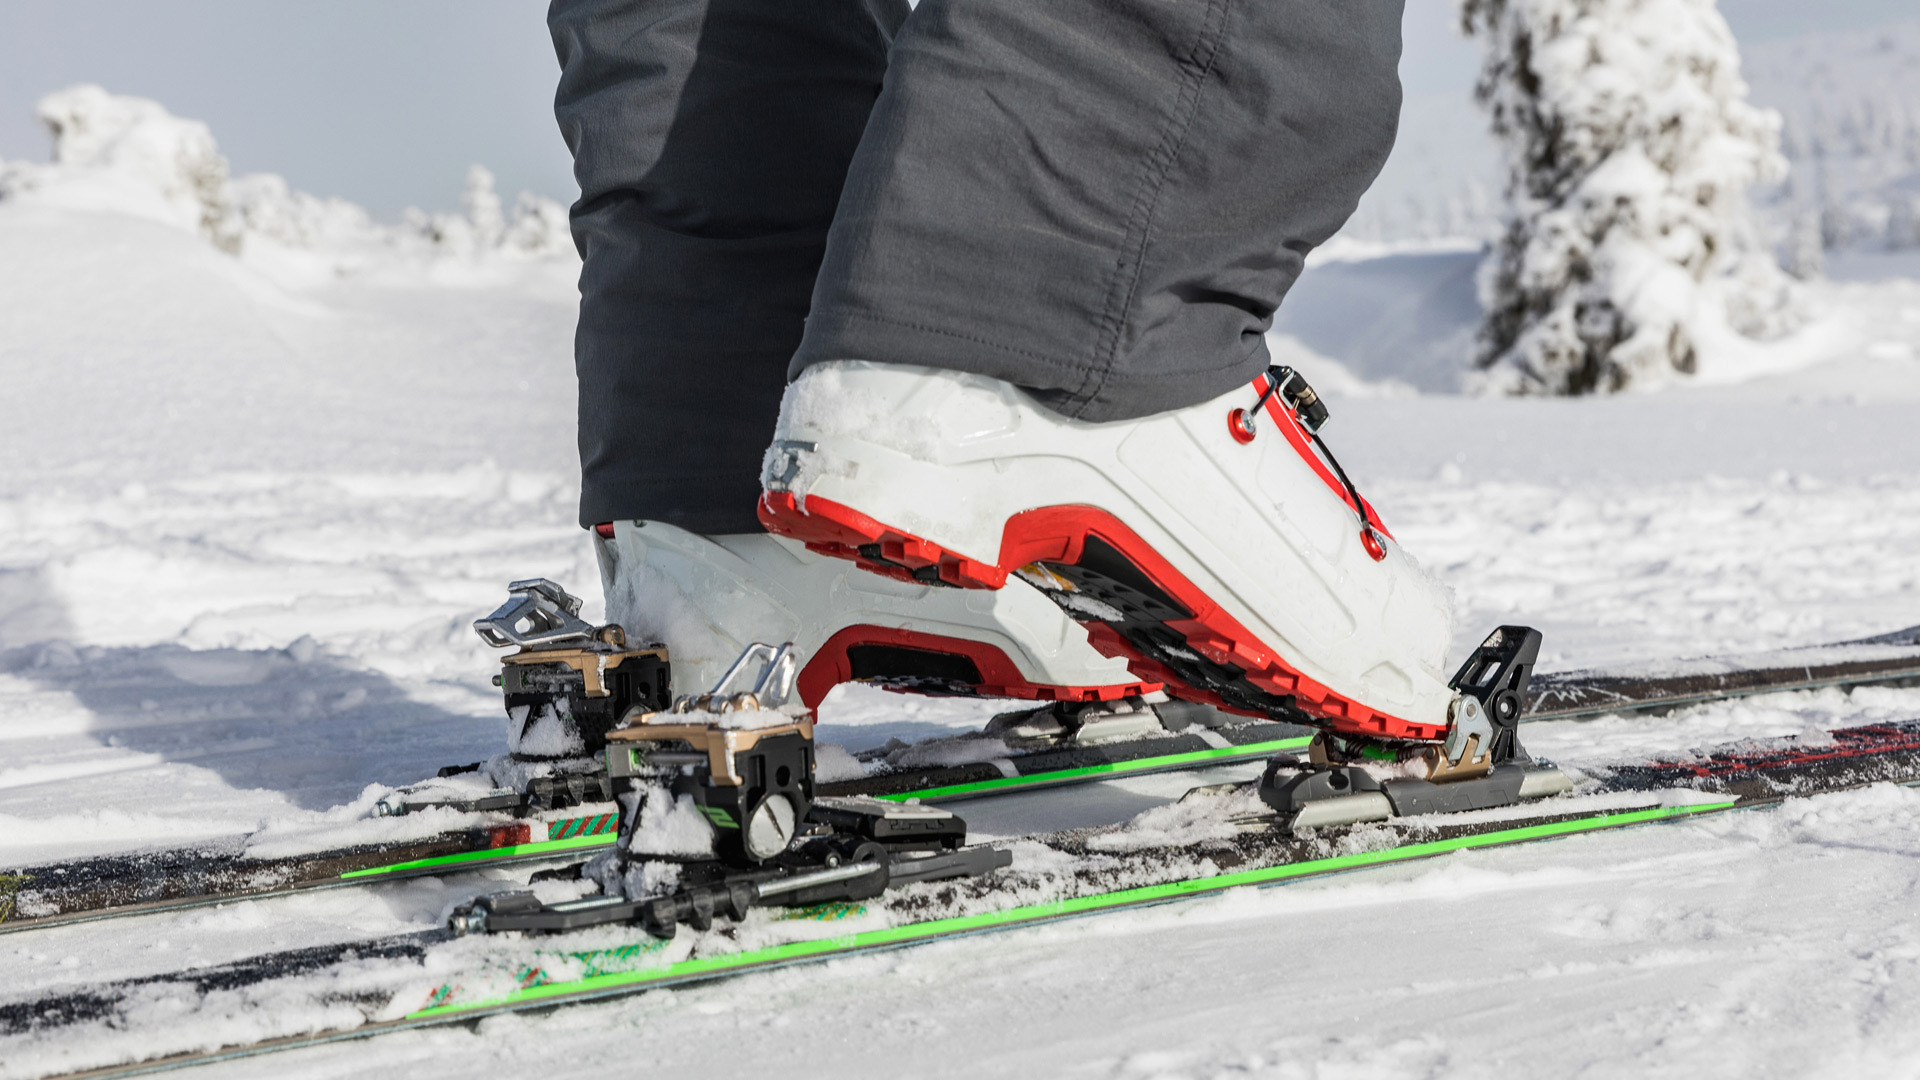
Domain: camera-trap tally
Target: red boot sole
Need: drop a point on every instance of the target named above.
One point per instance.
(1164, 625)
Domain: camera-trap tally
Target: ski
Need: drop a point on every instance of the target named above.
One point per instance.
(433, 978)
(1886, 659)
(41, 896)
(115, 886)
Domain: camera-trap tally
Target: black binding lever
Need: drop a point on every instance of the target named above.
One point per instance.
(1496, 676)
(1295, 394)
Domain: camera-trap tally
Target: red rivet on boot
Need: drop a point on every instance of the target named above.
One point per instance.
(1240, 426)
(1372, 543)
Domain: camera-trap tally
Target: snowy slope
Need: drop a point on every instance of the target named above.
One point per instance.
(247, 511)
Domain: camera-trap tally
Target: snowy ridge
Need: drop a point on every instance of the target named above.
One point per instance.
(126, 155)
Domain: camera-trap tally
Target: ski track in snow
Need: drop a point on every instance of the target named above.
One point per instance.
(250, 514)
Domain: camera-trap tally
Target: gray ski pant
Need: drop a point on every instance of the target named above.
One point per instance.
(1102, 201)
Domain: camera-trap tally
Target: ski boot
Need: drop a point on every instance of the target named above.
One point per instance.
(707, 597)
(720, 816)
(1220, 548)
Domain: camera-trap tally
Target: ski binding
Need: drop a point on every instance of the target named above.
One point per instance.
(739, 761)
(1479, 767)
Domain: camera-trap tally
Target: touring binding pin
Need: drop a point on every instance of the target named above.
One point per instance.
(1478, 766)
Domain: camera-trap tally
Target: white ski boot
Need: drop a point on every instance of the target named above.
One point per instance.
(708, 598)
(1219, 547)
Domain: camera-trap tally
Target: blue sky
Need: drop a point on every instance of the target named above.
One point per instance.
(386, 102)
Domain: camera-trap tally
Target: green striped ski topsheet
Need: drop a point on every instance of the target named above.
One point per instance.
(616, 982)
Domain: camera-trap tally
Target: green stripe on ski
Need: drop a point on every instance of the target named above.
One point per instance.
(1118, 768)
(1081, 905)
(463, 858)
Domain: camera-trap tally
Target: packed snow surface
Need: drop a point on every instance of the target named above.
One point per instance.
(253, 496)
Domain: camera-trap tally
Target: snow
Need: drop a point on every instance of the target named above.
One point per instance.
(833, 763)
(670, 825)
(251, 503)
(546, 736)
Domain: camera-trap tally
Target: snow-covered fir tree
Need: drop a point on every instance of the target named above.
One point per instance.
(1628, 243)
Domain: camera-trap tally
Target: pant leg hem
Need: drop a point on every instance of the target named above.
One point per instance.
(1119, 396)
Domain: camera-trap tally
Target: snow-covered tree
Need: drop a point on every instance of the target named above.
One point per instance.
(1630, 145)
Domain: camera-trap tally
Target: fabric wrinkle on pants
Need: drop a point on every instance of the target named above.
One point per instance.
(710, 141)
(1102, 201)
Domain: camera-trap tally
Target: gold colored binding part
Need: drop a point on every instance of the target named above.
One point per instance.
(607, 650)
(1472, 764)
(720, 744)
(706, 724)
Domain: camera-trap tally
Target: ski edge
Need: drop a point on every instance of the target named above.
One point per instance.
(871, 940)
